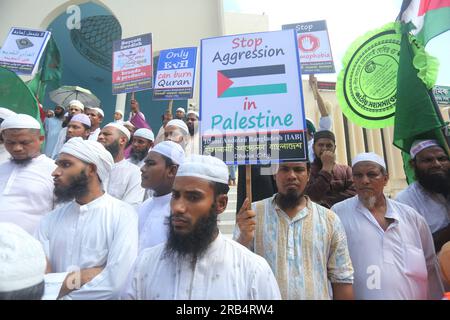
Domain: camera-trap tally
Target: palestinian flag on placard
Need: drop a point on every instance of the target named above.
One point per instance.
(430, 17)
(251, 81)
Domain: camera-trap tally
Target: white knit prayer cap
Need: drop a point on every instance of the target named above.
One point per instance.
(121, 127)
(22, 259)
(179, 124)
(181, 109)
(145, 133)
(81, 117)
(369, 156)
(20, 121)
(76, 103)
(98, 110)
(194, 113)
(4, 113)
(204, 167)
(90, 152)
(171, 150)
(420, 145)
(119, 111)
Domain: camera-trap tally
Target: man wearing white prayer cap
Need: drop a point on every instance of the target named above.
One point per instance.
(22, 264)
(75, 107)
(196, 250)
(4, 155)
(141, 144)
(430, 193)
(125, 180)
(96, 116)
(193, 146)
(79, 126)
(26, 185)
(276, 228)
(180, 113)
(177, 131)
(390, 244)
(157, 175)
(118, 116)
(91, 230)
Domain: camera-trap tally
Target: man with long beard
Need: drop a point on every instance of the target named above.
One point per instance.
(91, 240)
(141, 144)
(197, 261)
(193, 146)
(390, 243)
(430, 194)
(52, 127)
(125, 179)
(26, 187)
(303, 242)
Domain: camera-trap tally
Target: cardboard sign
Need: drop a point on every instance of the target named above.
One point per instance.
(251, 102)
(22, 50)
(132, 64)
(313, 46)
(175, 75)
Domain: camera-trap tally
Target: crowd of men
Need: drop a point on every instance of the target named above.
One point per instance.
(113, 212)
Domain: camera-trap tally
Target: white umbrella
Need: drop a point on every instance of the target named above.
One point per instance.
(63, 95)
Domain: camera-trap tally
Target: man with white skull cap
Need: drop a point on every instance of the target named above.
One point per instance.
(92, 238)
(22, 264)
(158, 174)
(142, 143)
(177, 131)
(26, 185)
(197, 261)
(390, 244)
(125, 179)
(4, 155)
(430, 193)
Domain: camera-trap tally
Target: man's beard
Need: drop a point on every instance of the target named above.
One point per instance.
(113, 148)
(434, 183)
(22, 162)
(194, 244)
(289, 200)
(59, 114)
(368, 202)
(78, 187)
(138, 156)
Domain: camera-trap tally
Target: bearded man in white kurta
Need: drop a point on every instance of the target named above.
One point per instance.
(197, 261)
(26, 187)
(92, 238)
(125, 179)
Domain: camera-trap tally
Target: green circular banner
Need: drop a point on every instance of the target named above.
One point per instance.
(367, 85)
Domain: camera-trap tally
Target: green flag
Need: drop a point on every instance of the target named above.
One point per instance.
(50, 71)
(415, 115)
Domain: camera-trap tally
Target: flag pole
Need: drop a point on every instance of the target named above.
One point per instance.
(248, 184)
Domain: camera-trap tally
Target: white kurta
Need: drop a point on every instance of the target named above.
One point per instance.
(152, 221)
(193, 145)
(94, 134)
(4, 154)
(139, 164)
(434, 208)
(125, 183)
(26, 193)
(100, 233)
(59, 143)
(52, 126)
(399, 263)
(227, 271)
